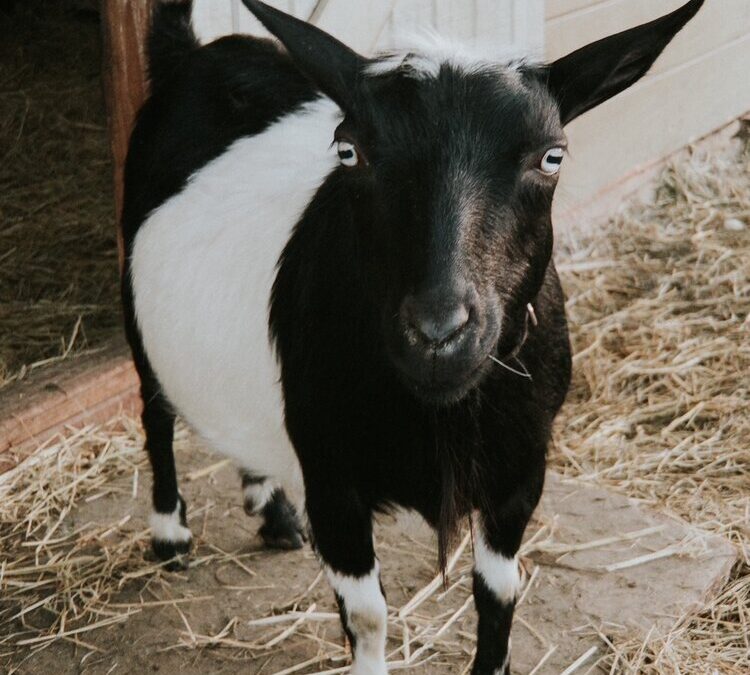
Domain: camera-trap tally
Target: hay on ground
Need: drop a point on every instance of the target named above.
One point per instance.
(58, 254)
(659, 311)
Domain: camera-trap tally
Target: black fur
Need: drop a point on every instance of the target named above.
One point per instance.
(281, 528)
(400, 303)
(493, 629)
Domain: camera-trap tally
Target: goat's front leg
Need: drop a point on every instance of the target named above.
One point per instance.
(342, 533)
(497, 537)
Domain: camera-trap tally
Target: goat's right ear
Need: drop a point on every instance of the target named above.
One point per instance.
(591, 75)
(328, 63)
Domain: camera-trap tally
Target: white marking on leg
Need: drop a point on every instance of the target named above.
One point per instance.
(167, 527)
(498, 572)
(367, 617)
(257, 495)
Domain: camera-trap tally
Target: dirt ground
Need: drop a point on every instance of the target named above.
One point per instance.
(242, 609)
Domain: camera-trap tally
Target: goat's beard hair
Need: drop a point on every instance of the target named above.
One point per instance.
(459, 453)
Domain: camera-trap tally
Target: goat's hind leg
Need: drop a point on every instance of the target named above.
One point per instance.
(170, 537)
(281, 527)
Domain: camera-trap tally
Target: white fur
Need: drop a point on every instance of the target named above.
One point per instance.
(202, 267)
(499, 573)
(258, 494)
(367, 618)
(167, 527)
(425, 52)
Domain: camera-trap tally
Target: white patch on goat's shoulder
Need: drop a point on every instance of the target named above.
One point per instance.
(422, 54)
(167, 527)
(498, 572)
(202, 268)
(366, 617)
(257, 495)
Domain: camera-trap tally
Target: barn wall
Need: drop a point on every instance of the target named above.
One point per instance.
(699, 84)
(366, 25)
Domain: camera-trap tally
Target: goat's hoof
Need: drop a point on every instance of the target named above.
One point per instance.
(282, 536)
(281, 528)
(175, 554)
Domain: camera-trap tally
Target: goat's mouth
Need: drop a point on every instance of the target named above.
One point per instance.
(444, 391)
(442, 373)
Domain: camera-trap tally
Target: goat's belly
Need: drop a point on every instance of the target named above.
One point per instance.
(201, 306)
(202, 269)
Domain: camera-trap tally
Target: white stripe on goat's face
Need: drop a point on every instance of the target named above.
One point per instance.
(365, 615)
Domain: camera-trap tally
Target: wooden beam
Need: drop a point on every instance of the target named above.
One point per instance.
(124, 27)
(88, 390)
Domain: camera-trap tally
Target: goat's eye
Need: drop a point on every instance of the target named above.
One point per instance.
(552, 161)
(348, 155)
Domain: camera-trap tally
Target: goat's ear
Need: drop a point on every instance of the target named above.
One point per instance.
(328, 63)
(595, 73)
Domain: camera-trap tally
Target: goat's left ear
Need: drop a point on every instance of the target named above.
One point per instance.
(328, 63)
(595, 73)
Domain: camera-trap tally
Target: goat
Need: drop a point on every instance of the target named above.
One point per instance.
(339, 272)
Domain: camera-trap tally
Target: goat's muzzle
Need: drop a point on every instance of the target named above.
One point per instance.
(442, 342)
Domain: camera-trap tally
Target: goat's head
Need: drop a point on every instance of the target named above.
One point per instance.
(457, 163)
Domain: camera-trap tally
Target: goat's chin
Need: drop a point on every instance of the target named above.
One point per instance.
(446, 393)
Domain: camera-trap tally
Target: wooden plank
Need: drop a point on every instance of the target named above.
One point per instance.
(529, 26)
(716, 25)
(212, 19)
(655, 118)
(124, 27)
(245, 22)
(494, 21)
(494, 26)
(455, 19)
(85, 390)
(557, 8)
(357, 23)
(407, 17)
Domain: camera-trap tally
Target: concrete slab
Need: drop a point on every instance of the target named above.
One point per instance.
(581, 591)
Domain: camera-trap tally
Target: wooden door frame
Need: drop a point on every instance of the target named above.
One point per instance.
(124, 30)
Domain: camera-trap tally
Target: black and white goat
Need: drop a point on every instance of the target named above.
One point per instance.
(384, 225)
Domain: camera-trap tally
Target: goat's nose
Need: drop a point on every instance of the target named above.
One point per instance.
(440, 328)
(436, 324)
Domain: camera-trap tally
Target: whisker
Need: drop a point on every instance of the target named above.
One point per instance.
(525, 372)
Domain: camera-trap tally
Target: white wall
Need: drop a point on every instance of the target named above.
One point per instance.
(369, 24)
(700, 83)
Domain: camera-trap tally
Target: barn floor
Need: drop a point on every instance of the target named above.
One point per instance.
(659, 301)
(271, 612)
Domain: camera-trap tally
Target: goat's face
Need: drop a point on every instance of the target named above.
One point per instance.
(456, 168)
(460, 168)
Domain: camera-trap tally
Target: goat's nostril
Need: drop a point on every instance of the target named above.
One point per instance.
(440, 328)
